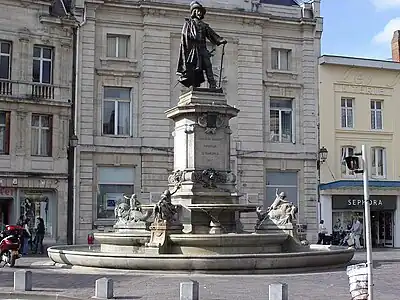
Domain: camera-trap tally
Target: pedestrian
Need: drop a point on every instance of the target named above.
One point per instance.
(356, 231)
(26, 236)
(39, 236)
(321, 232)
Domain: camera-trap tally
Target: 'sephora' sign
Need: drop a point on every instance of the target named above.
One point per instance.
(357, 202)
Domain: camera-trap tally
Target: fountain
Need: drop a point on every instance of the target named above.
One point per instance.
(195, 226)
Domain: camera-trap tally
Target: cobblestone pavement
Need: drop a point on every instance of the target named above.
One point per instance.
(79, 282)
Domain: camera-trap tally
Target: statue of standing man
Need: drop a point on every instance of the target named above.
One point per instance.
(194, 58)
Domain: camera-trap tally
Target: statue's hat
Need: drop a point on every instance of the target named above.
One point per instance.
(195, 4)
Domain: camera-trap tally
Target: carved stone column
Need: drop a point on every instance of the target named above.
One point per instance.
(202, 161)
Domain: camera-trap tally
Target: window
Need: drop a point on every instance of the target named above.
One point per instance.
(378, 162)
(42, 64)
(42, 135)
(43, 204)
(281, 59)
(281, 121)
(113, 183)
(4, 132)
(117, 46)
(376, 114)
(5, 60)
(117, 111)
(283, 182)
(346, 151)
(347, 114)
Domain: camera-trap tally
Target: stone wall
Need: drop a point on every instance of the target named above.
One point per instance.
(25, 24)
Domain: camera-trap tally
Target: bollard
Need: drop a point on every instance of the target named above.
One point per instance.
(22, 281)
(104, 288)
(189, 290)
(278, 291)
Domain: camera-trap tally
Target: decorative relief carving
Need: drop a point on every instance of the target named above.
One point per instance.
(176, 178)
(210, 178)
(211, 122)
(355, 76)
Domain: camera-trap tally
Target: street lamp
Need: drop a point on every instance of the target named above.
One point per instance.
(73, 141)
(323, 156)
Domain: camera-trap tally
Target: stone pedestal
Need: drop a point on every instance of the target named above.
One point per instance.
(268, 226)
(202, 160)
(159, 231)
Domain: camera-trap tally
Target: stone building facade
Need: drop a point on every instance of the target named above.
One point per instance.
(35, 95)
(128, 53)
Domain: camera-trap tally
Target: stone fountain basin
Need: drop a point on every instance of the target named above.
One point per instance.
(243, 243)
(314, 257)
(137, 238)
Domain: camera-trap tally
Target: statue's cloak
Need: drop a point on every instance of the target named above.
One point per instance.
(190, 69)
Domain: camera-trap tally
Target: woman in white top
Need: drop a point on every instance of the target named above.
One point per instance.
(321, 232)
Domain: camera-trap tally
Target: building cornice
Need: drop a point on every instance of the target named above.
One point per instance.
(358, 62)
(250, 18)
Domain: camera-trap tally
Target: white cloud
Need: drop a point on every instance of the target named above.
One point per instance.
(385, 36)
(385, 4)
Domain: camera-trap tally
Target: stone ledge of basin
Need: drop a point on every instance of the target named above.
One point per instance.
(64, 250)
(34, 296)
(224, 206)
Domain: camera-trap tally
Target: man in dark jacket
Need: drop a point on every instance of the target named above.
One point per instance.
(194, 58)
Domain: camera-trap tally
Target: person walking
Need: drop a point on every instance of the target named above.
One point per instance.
(321, 232)
(26, 237)
(356, 231)
(40, 230)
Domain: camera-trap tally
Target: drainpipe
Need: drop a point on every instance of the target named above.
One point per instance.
(73, 191)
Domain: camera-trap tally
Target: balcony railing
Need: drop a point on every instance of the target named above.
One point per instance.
(33, 90)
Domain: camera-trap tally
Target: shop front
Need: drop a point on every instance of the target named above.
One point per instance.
(35, 203)
(346, 208)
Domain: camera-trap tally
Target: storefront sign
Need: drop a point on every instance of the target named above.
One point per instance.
(6, 192)
(357, 202)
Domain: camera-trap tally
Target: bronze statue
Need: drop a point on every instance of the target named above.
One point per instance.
(194, 58)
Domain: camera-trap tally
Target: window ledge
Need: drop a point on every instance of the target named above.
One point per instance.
(117, 72)
(378, 177)
(272, 72)
(118, 59)
(42, 158)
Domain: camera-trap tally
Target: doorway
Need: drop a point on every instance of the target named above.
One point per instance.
(5, 212)
(382, 228)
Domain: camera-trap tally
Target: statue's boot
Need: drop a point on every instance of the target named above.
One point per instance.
(210, 78)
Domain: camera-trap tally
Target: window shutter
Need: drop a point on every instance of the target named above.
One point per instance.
(50, 145)
(7, 134)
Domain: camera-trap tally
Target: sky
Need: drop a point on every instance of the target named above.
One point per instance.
(361, 28)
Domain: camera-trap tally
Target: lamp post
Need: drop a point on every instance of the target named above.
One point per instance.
(353, 164)
(73, 142)
(322, 157)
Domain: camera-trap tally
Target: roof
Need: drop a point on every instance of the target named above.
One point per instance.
(282, 2)
(339, 184)
(358, 62)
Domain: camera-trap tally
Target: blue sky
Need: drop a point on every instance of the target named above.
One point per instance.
(361, 28)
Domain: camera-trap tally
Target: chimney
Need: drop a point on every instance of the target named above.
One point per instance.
(396, 46)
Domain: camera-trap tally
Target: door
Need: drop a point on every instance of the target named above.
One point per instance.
(388, 228)
(4, 213)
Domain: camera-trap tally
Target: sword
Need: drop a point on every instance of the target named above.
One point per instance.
(222, 62)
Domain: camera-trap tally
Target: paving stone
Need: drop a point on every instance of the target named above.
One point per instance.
(80, 282)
